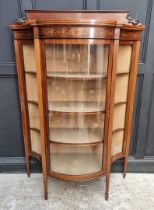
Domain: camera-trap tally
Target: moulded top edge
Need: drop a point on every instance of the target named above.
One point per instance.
(77, 11)
(30, 24)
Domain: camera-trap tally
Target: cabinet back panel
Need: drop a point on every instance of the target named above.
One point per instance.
(35, 141)
(124, 58)
(33, 115)
(121, 88)
(119, 117)
(29, 57)
(117, 143)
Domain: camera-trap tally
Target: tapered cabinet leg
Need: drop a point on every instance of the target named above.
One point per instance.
(45, 182)
(23, 100)
(28, 166)
(125, 166)
(107, 187)
(45, 189)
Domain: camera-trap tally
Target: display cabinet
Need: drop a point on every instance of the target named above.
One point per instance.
(76, 74)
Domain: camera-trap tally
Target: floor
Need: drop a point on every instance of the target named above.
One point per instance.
(18, 192)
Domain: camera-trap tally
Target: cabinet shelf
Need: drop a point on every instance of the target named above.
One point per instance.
(33, 102)
(122, 73)
(92, 144)
(76, 76)
(35, 129)
(76, 135)
(120, 103)
(117, 130)
(30, 72)
(76, 107)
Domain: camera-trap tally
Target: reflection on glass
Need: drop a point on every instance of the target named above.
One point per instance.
(77, 59)
(76, 128)
(76, 86)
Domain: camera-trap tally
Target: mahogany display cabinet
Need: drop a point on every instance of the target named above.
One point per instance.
(76, 76)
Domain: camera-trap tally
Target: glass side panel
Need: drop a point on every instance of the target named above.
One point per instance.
(76, 89)
(29, 57)
(35, 141)
(117, 143)
(31, 87)
(124, 58)
(32, 97)
(75, 160)
(121, 93)
(33, 115)
(119, 117)
(121, 89)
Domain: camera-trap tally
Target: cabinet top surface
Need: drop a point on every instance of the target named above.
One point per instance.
(109, 18)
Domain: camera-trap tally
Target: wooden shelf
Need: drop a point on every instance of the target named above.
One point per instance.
(74, 135)
(117, 130)
(35, 129)
(76, 76)
(33, 102)
(91, 144)
(77, 107)
(120, 103)
(30, 72)
(123, 73)
(70, 75)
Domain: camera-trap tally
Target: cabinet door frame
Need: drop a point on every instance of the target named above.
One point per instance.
(43, 100)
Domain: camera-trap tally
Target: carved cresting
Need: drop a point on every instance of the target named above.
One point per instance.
(23, 34)
(21, 20)
(131, 20)
(76, 32)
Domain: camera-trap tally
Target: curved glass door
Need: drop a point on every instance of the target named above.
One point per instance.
(76, 90)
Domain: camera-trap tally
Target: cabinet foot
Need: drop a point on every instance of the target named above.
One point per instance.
(107, 186)
(106, 196)
(46, 196)
(125, 166)
(28, 166)
(28, 173)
